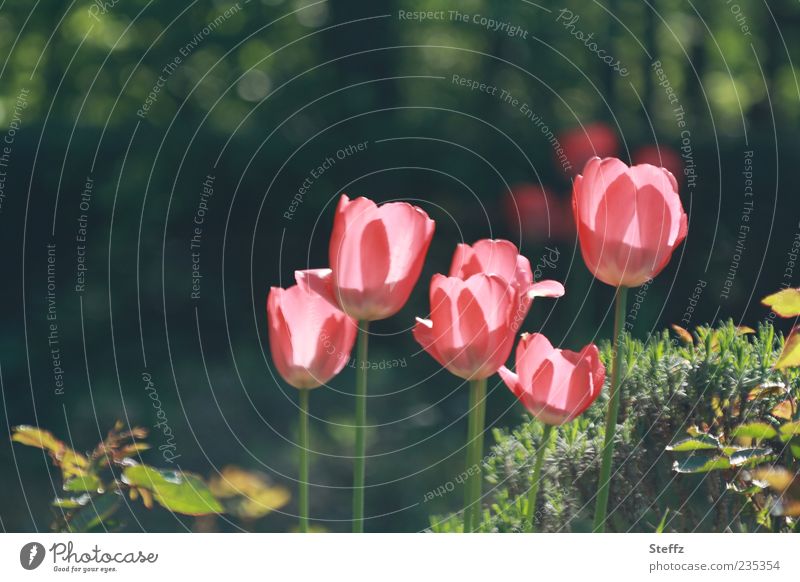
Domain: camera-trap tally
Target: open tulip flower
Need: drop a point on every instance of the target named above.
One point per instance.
(502, 258)
(469, 330)
(310, 339)
(629, 220)
(554, 385)
(376, 255)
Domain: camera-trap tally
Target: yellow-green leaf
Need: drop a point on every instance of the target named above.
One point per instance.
(790, 356)
(755, 430)
(785, 303)
(700, 464)
(698, 443)
(177, 491)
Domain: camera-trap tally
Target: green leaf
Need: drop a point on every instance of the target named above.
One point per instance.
(700, 464)
(94, 513)
(71, 502)
(755, 430)
(82, 483)
(789, 430)
(785, 303)
(70, 462)
(699, 443)
(790, 356)
(750, 457)
(177, 491)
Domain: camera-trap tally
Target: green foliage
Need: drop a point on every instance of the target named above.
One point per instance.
(94, 491)
(720, 403)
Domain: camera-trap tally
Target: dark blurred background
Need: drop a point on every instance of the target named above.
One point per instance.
(250, 99)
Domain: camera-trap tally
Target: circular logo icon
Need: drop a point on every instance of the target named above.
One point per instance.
(31, 555)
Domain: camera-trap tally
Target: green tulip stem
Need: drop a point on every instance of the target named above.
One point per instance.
(611, 415)
(361, 427)
(304, 460)
(473, 482)
(535, 478)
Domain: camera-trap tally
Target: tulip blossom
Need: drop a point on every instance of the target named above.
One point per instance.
(376, 255)
(501, 257)
(310, 339)
(469, 330)
(554, 385)
(538, 214)
(584, 142)
(629, 219)
(661, 156)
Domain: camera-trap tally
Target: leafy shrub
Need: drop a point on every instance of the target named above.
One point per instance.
(707, 441)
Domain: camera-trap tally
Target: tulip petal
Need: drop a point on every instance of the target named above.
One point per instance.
(546, 288)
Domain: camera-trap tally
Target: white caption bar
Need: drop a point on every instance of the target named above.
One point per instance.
(406, 557)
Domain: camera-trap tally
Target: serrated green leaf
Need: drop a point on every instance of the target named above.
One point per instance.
(175, 490)
(700, 464)
(750, 457)
(755, 430)
(701, 442)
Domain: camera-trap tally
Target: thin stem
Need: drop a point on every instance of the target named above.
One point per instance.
(537, 471)
(470, 454)
(304, 461)
(361, 427)
(474, 482)
(611, 414)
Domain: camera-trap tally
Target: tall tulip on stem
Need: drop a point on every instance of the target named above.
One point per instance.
(556, 386)
(475, 313)
(629, 220)
(376, 255)
(310, 341)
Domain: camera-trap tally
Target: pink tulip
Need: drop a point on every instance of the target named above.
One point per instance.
(469, 330)
(501, 257)
(661, 156)
(584, 142)
(540, 215)
(629, 219)
(554, 385)
(376, 255)
(309, 338)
